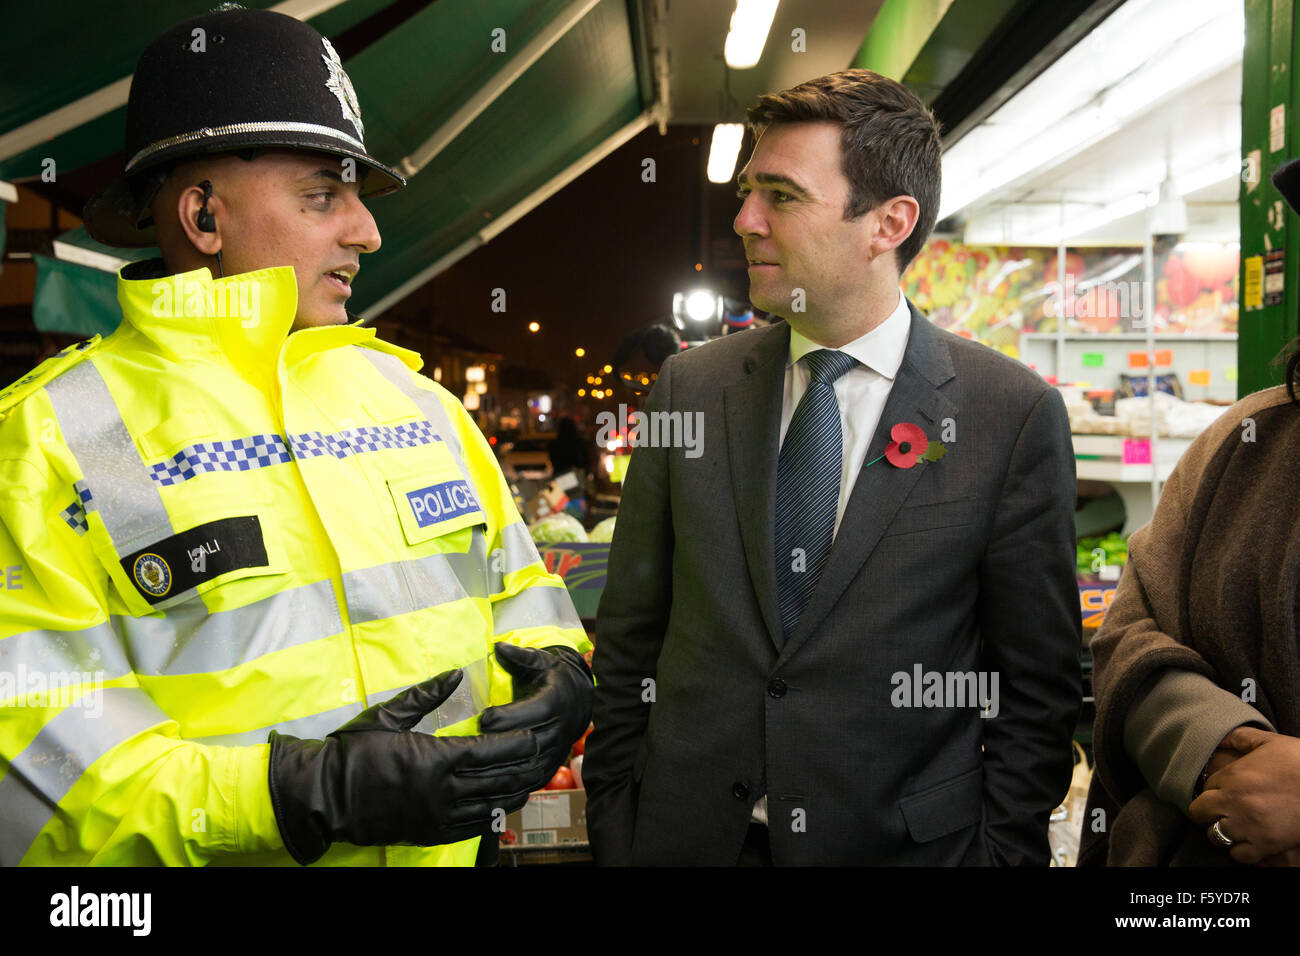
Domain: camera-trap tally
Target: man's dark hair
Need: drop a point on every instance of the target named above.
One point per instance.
(889, 144)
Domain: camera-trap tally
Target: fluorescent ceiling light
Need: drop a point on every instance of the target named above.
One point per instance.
(749, 26)
(1229, 167)
(1092, 91)
(1208, 174)
(723, 151)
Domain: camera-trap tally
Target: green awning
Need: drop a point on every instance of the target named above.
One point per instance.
(580, 93)
(586, 93)
(74, 299)
(76, 289)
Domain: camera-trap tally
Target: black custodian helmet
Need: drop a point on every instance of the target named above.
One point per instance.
(227, 81)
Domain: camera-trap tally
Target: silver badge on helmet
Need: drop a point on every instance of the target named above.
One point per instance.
(339, 84)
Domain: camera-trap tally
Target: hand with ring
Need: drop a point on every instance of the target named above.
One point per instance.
(1218, 836)
(1251, 806)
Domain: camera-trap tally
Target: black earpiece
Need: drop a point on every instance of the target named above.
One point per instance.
(204, 219)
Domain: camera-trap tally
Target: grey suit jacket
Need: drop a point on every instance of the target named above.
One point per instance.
(961, 566)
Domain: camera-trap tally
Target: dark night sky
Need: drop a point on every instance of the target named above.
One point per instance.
(595, 262)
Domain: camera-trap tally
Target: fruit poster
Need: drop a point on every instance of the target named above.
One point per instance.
(994, 293)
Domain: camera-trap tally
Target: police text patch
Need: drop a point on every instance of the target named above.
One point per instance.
(172, 565)
(442, 502)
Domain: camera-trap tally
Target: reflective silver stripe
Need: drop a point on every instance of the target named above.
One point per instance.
(400, 587)
(397, 372)
(126, 498)
(535, 607)
(472, 566)
(471, 696)
(313, 727)
(47, 769)
(190, 640)
(520, 551)
(93, 651)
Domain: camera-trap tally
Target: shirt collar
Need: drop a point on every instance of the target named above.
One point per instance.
(880, 350)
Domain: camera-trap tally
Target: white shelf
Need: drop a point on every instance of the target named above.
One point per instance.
(1114, 471)
(1131, 336)
(1168, 449)
(1132, 482)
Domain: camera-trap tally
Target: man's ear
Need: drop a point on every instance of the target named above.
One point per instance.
(188, 206)
(894, 221)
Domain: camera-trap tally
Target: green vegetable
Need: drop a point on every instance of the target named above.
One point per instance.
(557, 529)
(603, 531)
(1114, 546)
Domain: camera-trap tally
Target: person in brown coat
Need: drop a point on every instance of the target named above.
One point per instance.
(1197, 667)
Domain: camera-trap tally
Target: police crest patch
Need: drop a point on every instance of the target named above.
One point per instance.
(341, 86)
(152, 574)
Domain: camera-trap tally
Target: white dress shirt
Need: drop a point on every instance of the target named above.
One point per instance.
(861, 393)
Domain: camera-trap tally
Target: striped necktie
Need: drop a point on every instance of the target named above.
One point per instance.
(808, 486)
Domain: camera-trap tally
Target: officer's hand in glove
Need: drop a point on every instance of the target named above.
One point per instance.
(553, 694)
(373, 782)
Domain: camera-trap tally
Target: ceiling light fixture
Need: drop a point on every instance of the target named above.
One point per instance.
(749, 28)
(723, 151)
(1092, 91)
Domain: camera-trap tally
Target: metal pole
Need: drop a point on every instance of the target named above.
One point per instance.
(1060, 284)
(1148, 317)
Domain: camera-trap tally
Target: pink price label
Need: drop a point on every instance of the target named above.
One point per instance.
(1137, 451)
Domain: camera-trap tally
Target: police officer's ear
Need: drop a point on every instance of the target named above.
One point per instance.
(891, 223)
(200, 212)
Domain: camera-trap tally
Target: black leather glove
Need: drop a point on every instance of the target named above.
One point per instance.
(374, 783)
(553, 694)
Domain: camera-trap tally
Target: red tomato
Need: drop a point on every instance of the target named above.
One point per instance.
(563, 780)
(580, 747)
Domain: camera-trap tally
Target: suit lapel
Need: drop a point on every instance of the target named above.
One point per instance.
(753, 409)
(881, 489)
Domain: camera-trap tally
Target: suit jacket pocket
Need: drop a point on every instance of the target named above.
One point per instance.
(612, 827)
(638, 764)
(929, 517)
(945, 808)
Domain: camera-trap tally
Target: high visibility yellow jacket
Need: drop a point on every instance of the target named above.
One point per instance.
(210, 529)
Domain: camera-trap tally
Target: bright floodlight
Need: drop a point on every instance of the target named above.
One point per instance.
(701, 305)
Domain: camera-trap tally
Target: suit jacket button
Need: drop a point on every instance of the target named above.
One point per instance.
(739, 790)
(776, 687)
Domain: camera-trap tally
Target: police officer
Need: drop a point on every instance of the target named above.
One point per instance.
(245, 533)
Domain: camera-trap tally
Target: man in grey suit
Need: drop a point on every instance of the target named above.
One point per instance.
(814, 648)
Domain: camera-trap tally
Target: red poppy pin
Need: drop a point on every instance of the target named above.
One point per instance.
(909, 445)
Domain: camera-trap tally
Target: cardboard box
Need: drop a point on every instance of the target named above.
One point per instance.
(550, 500)
(550, 818)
